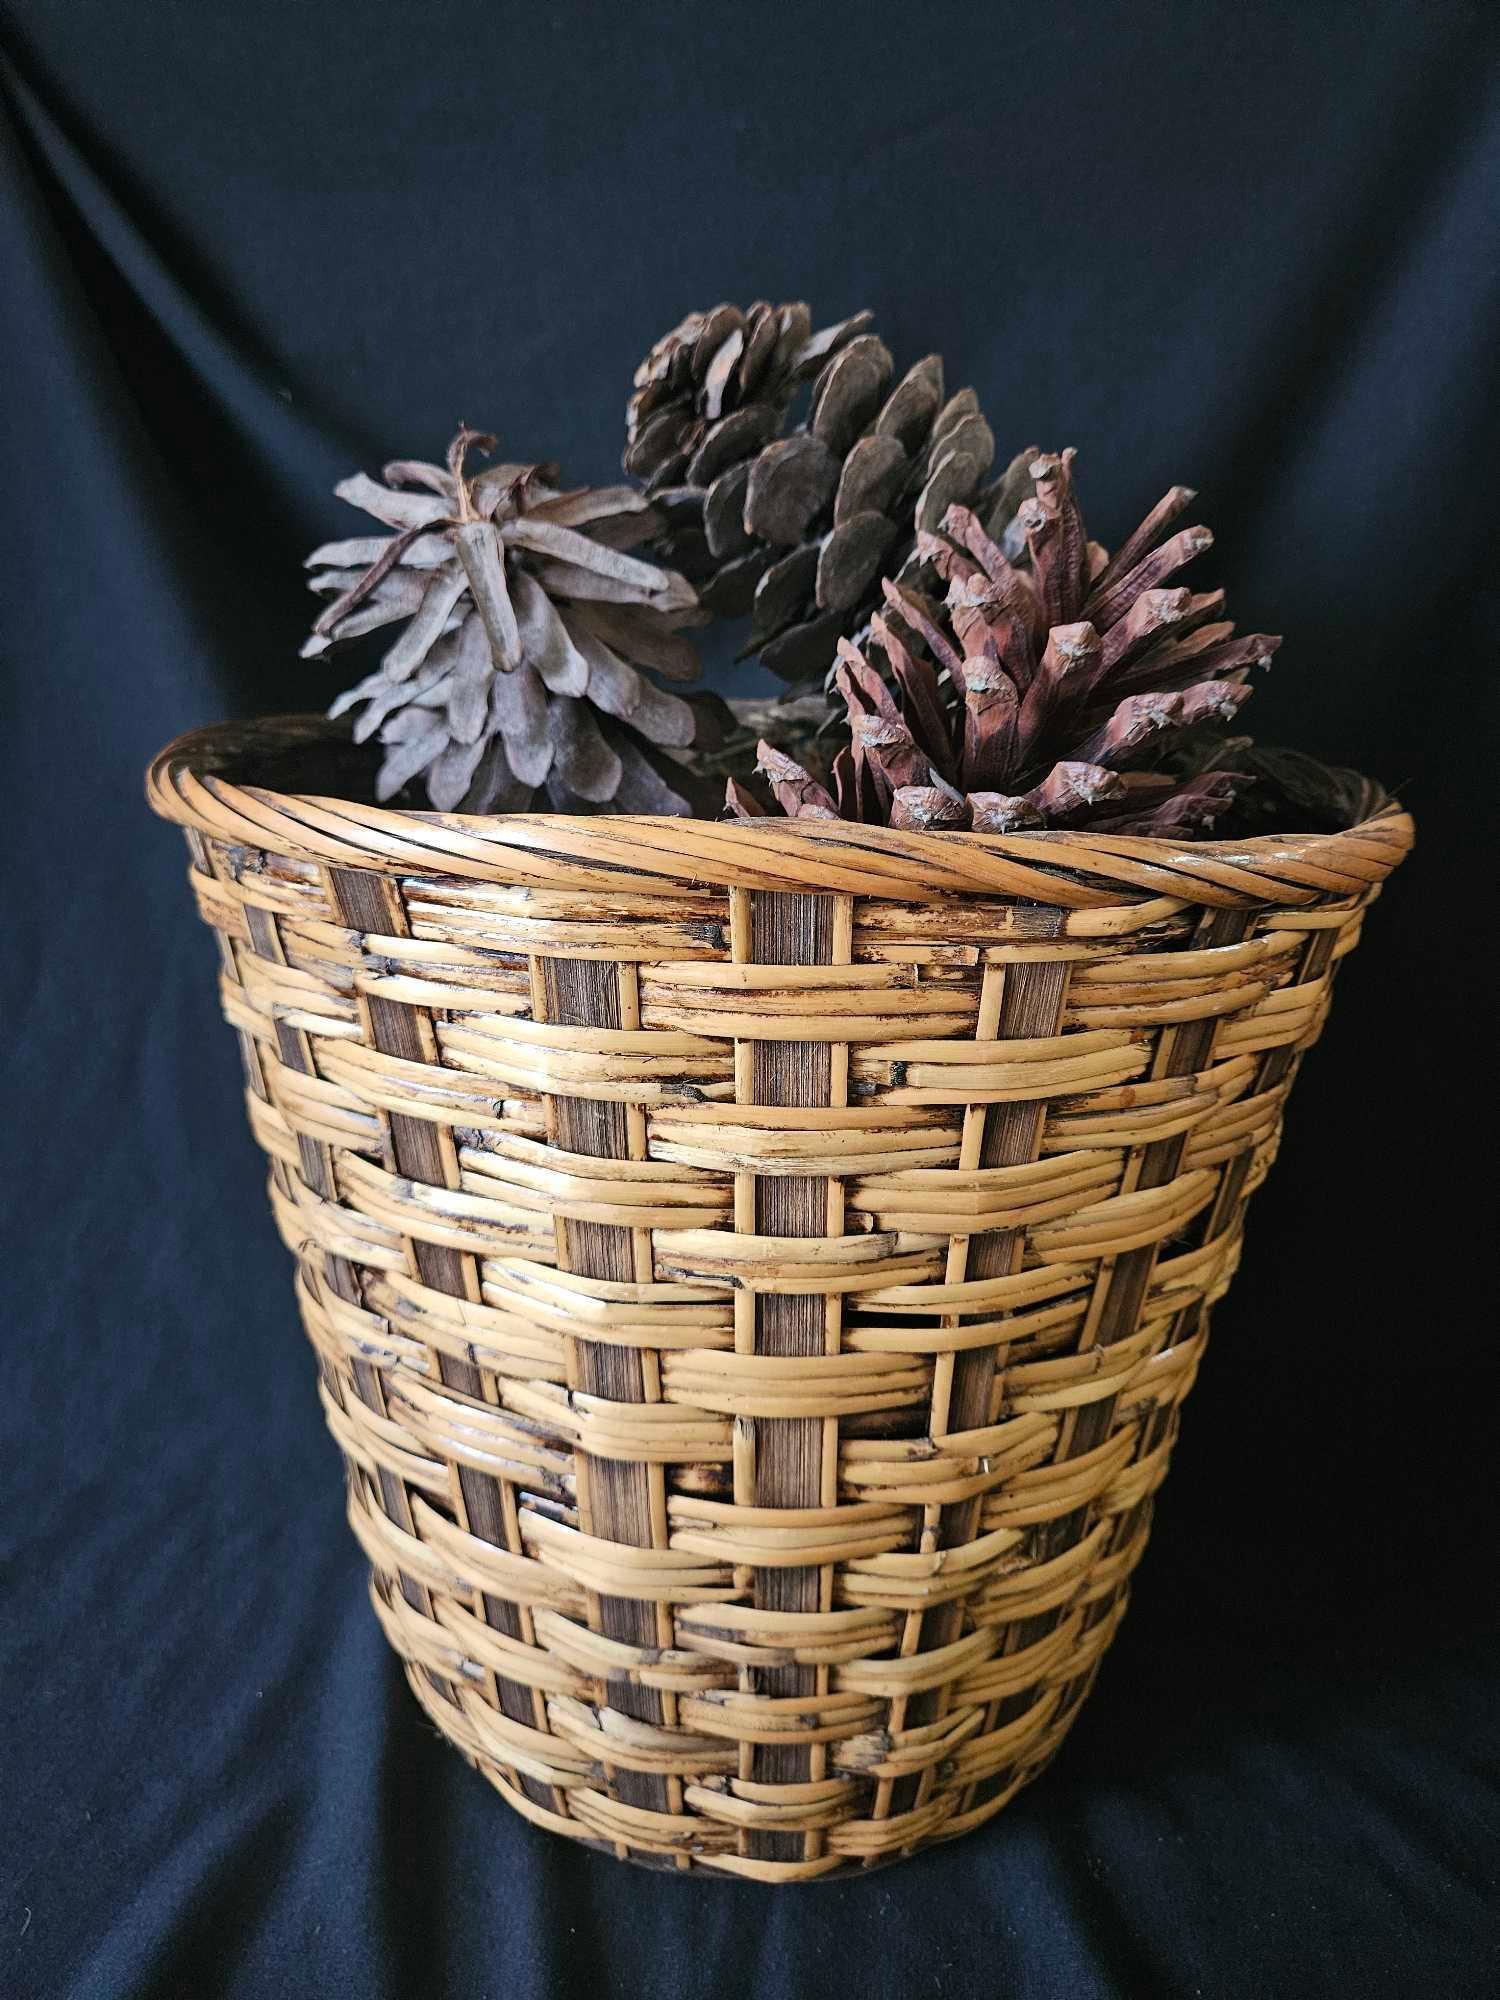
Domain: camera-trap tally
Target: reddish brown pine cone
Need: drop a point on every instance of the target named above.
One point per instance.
(1055, 685)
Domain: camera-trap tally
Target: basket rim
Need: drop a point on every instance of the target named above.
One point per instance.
(189, 782)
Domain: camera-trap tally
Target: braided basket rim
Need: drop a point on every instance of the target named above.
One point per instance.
(189, 782)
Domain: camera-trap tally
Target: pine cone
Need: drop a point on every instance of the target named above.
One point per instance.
(526, 627)
(797, 526)
(1048, 690)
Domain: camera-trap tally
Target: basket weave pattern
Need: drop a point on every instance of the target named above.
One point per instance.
(754, 1272)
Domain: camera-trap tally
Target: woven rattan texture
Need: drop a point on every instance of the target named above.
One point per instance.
(755, 1317)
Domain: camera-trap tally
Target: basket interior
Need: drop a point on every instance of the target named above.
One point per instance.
(308, 754)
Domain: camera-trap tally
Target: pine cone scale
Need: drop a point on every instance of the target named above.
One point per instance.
(724, 512)
(874, 471)
(849, 560)
(789, 483)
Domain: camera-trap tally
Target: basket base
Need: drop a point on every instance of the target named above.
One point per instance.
(692, 1858)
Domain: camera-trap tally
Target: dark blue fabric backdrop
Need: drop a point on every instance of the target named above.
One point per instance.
(246, 248)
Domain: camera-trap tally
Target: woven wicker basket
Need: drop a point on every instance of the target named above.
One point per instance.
(753, 1269)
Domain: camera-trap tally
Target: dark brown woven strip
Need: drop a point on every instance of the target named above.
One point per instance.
(788, 930)
(583, 992)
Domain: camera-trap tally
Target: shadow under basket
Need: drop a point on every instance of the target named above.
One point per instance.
(754, 1269)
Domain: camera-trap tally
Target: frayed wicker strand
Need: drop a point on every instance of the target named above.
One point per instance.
(753, 1270)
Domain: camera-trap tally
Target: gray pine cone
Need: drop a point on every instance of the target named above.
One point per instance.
(529, 637)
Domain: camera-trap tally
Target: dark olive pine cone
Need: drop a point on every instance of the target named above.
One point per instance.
(520, 668)
(796, 526)
(1050, 689)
